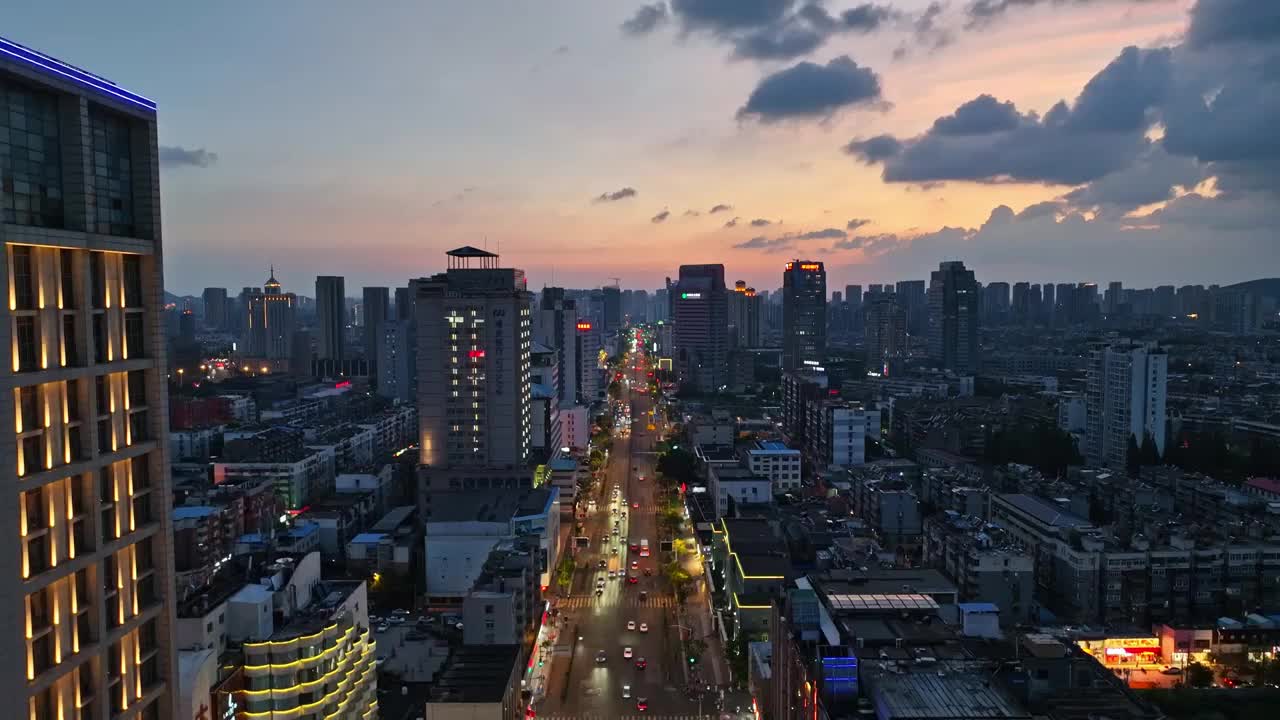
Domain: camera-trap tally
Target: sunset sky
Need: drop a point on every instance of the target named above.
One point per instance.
(365, 139)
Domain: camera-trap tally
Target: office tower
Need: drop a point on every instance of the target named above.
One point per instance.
(397, 360)
(301, 354)
(872, 289)
(744, 316)
(660, 306)
(1164, 300)
(886, 332)
(953, 317)
(331, 319)
(1113, 298)
(1034, 299)
(1125, 398)
(853, 302)
(1065, 304)
(215, 309)
(376, 302)
(473, 363)
(1046, 304)
(555, 325)
(912, 296)
(995, 302)
(1238, 312)
(271, 320)
(90, 573)
(187, 327)
(700, 312)
(804, 313)
(611, 308)
(1020, 307)
(587, 344)
(404, 303)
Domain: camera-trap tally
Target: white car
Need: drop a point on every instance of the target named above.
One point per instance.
(631, 624)
(626, 652)
(644, 627)
(626, 691)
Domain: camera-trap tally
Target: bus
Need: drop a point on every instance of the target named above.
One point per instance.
(644, 547)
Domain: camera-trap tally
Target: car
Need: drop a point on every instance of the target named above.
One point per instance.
(631, 624)
(1171, 671)
(615, 531)
(601, 657)
(626, 652)
(635, 505)
(635, 565)
(648, 572)
(644, 627)
(632, 580)
(644, 594)
(396, 619)
(635, 547)
(614, 551)
(602, 565)
(382, 628)
(626, 691)
(400, 611)
(642, 704)
(375, 620)
(641, 663)
(599, 591)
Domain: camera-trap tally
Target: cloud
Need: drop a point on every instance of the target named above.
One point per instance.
(732, 223)
(691, 213)
(808, 90)
(789, 39)
(868, 244)
(724, 16)
(1041, 209)
(866, 17)
(172, 156)
(646, 19)
(719, 208)
(1224, 22)
(760, 222)
(1150, 179)
(985, 140)
(874, 149)
(825, 234)
(660, 217)
(760, 242)
(856, 223)
(616, 195)
(980, 13)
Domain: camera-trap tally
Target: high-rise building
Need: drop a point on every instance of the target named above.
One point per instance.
(744, 316)
(376, 302)
(473, 326)
(886, 332)
(404, 303)
(853, 300)
(397, 360)
(91, 568)
(804, 313)
(587, 344)
(611, 304)
(701, 315)
(1064, 308)
(555, 325)
(331, 318)
(271, 320)
(1125, 399)
(215, 309)
(1021, 305)
(995, 303)
(913, 297)
(1113, 298)
(1047, 303)
(953, 317)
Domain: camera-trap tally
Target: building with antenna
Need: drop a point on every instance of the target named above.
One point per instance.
(271, 320)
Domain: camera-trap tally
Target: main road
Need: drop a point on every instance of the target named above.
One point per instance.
(581, 685)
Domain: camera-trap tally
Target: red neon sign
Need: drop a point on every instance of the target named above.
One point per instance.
(474, 354)
(343, 384)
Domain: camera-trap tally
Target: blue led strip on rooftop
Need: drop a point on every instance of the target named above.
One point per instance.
(48, 64)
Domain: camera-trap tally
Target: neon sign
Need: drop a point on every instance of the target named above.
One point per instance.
(584, 326)
(690, 296)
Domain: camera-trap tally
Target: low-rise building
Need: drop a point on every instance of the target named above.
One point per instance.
(478, 682)
(777, 462)
(734, 486)
(985, 563)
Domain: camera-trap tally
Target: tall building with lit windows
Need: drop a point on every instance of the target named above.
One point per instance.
(804, 313)
(88, 583)
(474, 340)
(271, 320)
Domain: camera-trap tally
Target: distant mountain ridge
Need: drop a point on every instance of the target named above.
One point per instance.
(1269, 287)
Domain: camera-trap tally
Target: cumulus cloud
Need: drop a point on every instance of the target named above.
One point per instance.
(760, 222)
(980, 116)
(660, 217)
(724, 16)
(874, 149)
(623, 194)
(172, 156)
(824, 234)
(732, 223)
(719, 208)
(1152, 178)
(856, 223)
(646, 19)
(808, 90)
(980, 13)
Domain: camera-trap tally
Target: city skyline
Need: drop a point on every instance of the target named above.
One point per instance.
(578, 130)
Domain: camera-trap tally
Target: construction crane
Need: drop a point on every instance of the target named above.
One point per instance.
(617, 282)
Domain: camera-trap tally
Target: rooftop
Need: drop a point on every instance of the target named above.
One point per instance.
(475, 674)
(486, 506)
(950, 693)
(62, 71)
(189, 512)
(1045, 512)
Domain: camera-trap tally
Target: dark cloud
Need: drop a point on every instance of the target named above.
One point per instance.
(866, 17)
(786, 40)
(732, 223)
(177, 156)
(760, 242)
(856, 223)
(1041, 209)
(647, 19)
(825, 234)
(660, 217)
(725, 16)
(1222, 22)
(870, 244)
(874, 149)
(616, 195)
(810, 90)
(989, 141)
(760, 222)
(1150, 179)
(981, 115)
(719, 208)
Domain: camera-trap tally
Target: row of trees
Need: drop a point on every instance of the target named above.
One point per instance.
(1040, 445)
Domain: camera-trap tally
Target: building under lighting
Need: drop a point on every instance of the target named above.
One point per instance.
(90, 579)
(804, 314)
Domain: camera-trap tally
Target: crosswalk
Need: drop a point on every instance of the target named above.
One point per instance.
(646, 716)
(578, 602)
